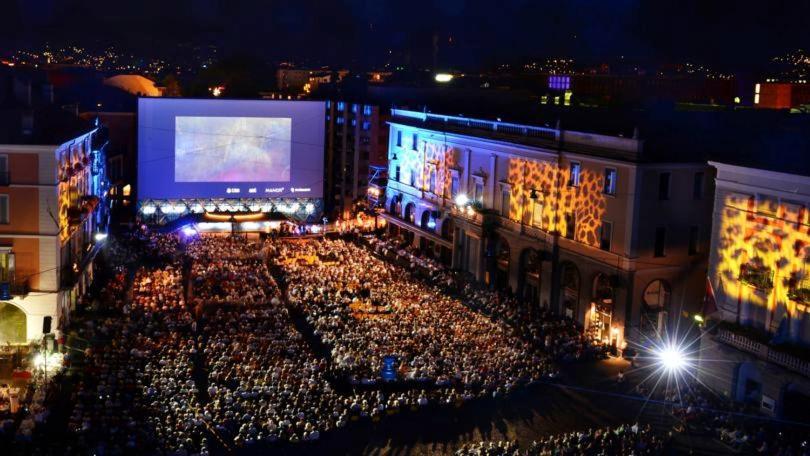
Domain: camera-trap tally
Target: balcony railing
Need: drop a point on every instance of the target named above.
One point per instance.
(763, 351)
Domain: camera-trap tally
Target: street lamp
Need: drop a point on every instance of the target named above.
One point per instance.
(462, 200)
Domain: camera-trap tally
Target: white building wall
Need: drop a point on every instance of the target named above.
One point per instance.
(37, 306)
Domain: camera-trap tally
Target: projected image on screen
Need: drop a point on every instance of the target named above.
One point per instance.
(232, 149)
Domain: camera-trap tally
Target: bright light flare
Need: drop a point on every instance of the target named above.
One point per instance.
(671, 358)
(443, 77)
(462, 200)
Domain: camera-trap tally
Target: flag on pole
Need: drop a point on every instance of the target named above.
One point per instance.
(709, 301)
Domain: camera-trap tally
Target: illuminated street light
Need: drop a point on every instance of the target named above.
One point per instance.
(100, 237)
(443, 77)
(462, 200)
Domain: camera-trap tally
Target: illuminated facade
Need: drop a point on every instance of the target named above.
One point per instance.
(759, 270)
(584, 224)
(51, 209)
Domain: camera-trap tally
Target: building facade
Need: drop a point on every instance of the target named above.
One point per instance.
(781, 95)
(356, 149)
(759, 271)
(51, 212)
(579, 223)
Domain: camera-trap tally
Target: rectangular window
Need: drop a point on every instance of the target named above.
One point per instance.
(453, 186)
(573, 179)
(432, 180)
(396, 174)
(570, 225)
(366, 125)
(399, 138)
(605, 235)
(4, 177)
(537, 214)
(694, 240)
(478, 192)
(413, 178)
(610, 181)
(660, 241)
(505, 194)
(415, 142)
(341, 106)
(354, 108)
(367, 110)
(6, 264)
(697, 186)
(4, 216)
(663, 185)
(340, 120)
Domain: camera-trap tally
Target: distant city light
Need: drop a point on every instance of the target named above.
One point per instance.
(443, 77)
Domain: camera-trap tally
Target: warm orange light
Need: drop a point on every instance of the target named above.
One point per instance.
(234, 217)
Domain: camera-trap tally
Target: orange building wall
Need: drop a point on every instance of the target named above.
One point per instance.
(23, 216)
(774, 96)
(23, 168)
(23, 211)
(27, 261)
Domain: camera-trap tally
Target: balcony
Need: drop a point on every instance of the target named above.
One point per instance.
(15, 288)
(747, 340)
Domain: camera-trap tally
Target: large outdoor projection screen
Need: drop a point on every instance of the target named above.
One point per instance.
(230, 148)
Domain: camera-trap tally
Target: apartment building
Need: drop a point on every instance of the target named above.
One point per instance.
(52, 222)
(592, 226)
(356, 149)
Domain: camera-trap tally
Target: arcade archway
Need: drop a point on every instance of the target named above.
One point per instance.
(446, 253)
(410, 212)
(529, 277)
(655, 309)
(569, 287)
(502, 257)
(13, 324)
(600, 315)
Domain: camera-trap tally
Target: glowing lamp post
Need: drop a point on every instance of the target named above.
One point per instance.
(462, 200)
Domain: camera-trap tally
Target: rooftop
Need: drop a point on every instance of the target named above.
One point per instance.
(772, 140)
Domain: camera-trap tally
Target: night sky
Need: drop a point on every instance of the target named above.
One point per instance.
(465, 32)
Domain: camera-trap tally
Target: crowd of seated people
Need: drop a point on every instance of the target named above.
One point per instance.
(561, 337)
(624, 440)
(436, 340)
(136, 391)
(160, 377)
(230, 271)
